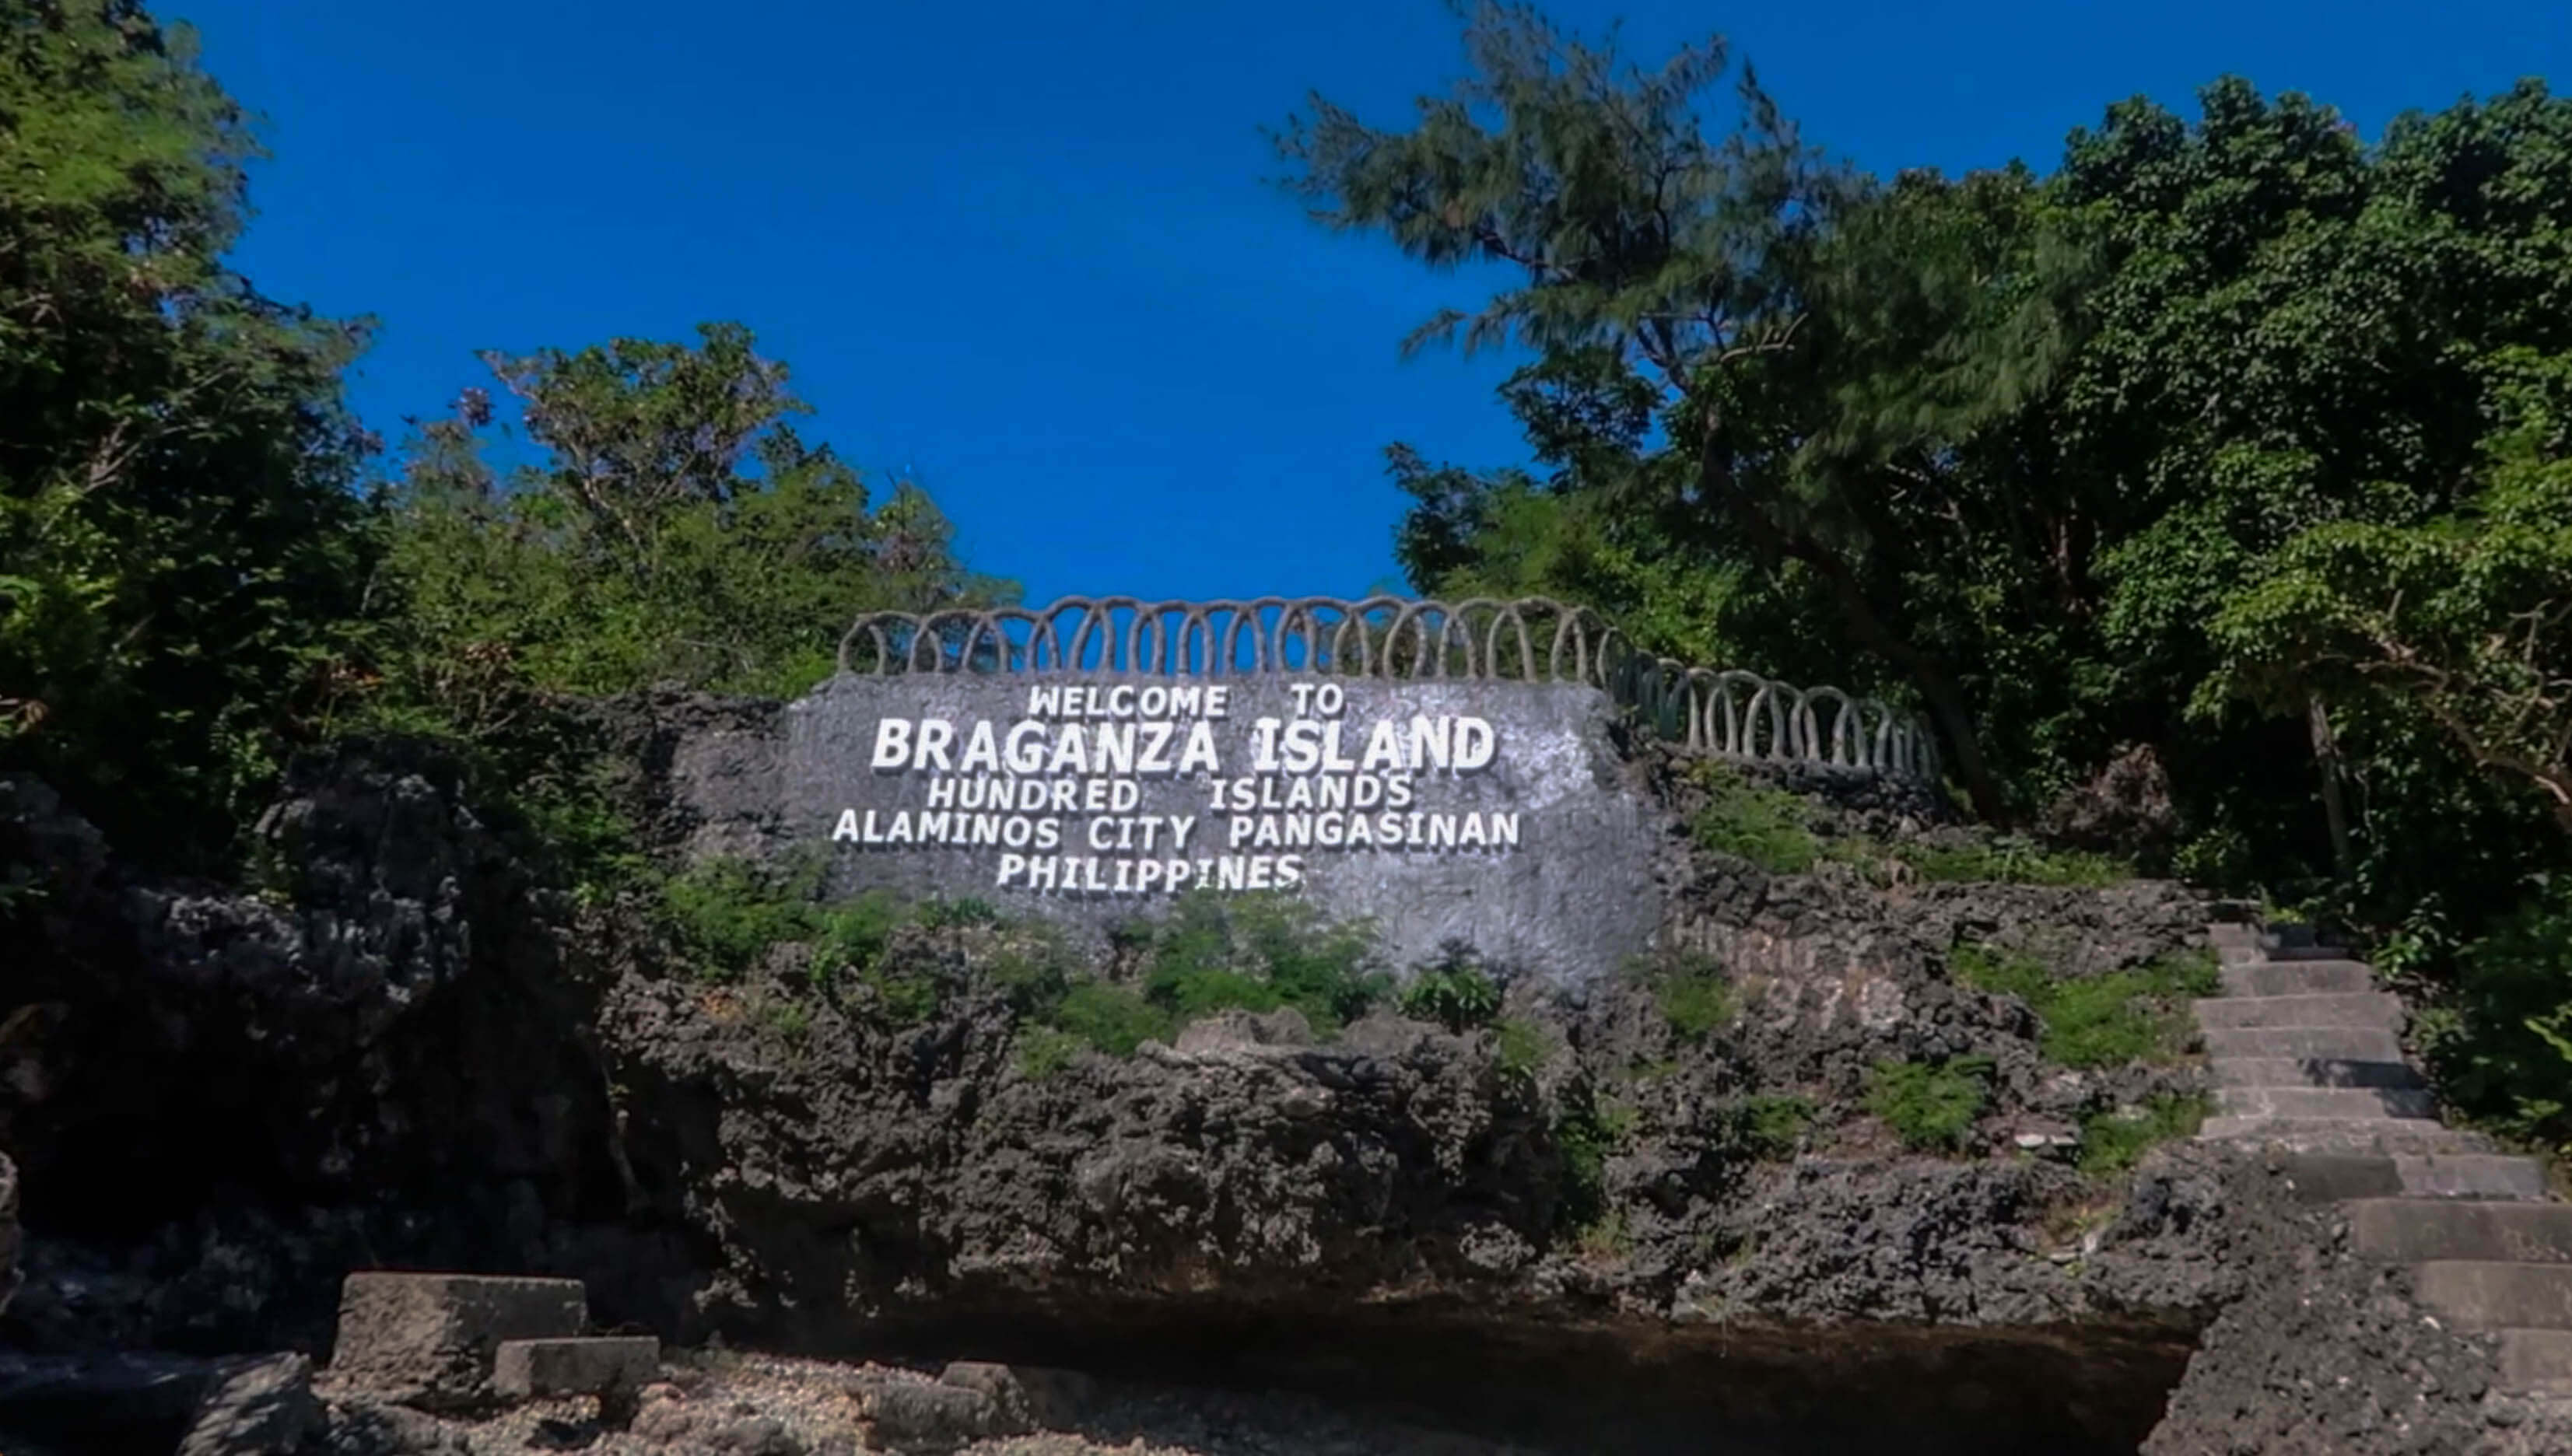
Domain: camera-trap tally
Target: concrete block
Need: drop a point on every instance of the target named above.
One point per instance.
(2471, 1177)
(428, 1339)
(2371, 1010)
(2326, 1102)
(2417, 1231)
(2483, 1295)
(2331, 1178)
(2333, 1043)
(2299, 978)
(2536, 1361)
(2390, 1135)
(534, 1369)
(2312, 1072)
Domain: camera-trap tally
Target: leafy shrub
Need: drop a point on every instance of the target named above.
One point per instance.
(1691, 992)
(2013, 862)
(727, 914)
(1768, 1126)
(792, 1019)
(1043, 1051)
(2502, 1044)
(1586, 1129)
(1518, 1049)
(1767, 827)
(1260, 952)
(2113, 1141)
(850, 936)
(1112, 1018)
(1453, 991)
(907, 994)
(1930, 1105)
(2110, 1020)
(944, 914)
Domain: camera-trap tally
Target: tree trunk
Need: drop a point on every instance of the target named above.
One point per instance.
(2335, 800)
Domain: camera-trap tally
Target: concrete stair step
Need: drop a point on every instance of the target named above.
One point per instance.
(2299, 978)
(2312, 1072)
(2329, 1042)
(2326, 1102)
(2332, 1178)
(2388, 1135)
(523, 1369)
(2285, 953)
(2536, 1361)
(2471, 1176)
(2373, 1009)
(2418, 1230)
(2493, 1295)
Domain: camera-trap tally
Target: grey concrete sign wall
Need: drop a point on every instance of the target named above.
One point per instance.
(1490, 812)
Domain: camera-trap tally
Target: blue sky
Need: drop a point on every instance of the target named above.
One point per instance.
(1029, 251)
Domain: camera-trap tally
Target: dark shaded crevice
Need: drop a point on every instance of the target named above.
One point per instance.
(1627, 1386)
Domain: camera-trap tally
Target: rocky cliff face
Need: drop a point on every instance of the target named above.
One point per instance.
(410, 1046)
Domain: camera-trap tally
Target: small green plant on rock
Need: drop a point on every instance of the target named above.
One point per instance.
(2108, 1020)
(1930, 1105)
(2114, 1141)
(1258, 953)
(1587, 1129)
(1518, 1049)
(1043, 1051)
(793, 1019)
(2013, 862)
(1112, 1018)
(906, 994)
(1768, 1126)
(1692, 991)
(1767, 827)
(727, 914)
(1453, 991)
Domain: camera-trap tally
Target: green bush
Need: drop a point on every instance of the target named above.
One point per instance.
(2502, 1043)
(907, 994)
(2113, 1141)
(1930, 1105)
(1518, 1049)
(1453, 991)
(1768, 1126)
(1586, 1129)
(2012, 861)
(1043, 1051)
(2110, 1020)
(850, 936)
(1112, 1018)
(727, 914)
(1258, 953)
(1690, 989)
(1767, 827)
(943, 914)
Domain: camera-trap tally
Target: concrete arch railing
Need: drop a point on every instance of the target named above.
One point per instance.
(1721, 713)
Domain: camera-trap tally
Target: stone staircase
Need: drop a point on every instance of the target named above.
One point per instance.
(2306, 1059)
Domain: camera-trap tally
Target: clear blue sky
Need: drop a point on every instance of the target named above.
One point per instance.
(1029, 250)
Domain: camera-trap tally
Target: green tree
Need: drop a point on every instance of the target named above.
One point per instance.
(677, 530)
(178, 550)
(2006, 443)
(2464, 618)
(1762, 359)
